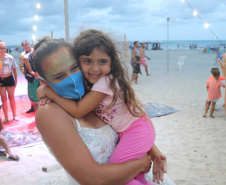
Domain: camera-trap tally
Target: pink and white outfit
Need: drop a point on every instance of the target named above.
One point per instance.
(137, 134)
(214, 92)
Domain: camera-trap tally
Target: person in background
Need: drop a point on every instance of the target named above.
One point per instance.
(31, 76)
(27, 49)
(8, 81)
(213, 87)
(142, 59)
(135, 52)
(136, 69)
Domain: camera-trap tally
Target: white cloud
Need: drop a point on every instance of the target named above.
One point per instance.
(139, 20)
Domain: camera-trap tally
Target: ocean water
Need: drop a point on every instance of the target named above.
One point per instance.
(173, 44)
(185, 44)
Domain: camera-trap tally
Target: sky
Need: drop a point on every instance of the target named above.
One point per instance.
(142, 20)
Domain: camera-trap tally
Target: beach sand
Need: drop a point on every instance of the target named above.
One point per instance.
(194, 145)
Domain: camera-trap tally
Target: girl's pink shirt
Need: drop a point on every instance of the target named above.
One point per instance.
(117, 116)
(213, 87)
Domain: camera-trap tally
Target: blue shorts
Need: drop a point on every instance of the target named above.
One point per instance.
(213, 100)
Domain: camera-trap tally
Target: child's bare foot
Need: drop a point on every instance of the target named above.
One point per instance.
(212, 116)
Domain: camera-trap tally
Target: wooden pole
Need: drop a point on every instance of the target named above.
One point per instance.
(125, 46)
(51, 34)
(66, 20)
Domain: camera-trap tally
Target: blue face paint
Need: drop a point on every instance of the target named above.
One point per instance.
(71, 87)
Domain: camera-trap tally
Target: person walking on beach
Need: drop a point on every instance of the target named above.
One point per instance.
(135, 52)
(27, 49)
(8, 81)
(142, 59)
(136, 68)
(213, 87)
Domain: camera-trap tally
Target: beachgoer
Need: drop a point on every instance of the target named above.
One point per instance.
(142, 59)
(27, 49)
(8, 81)
(8, 153)
(135, 52)
(136, 68)
(213, 87)
(33, 82)
(223, 69)
(111, 96)
(55, 62)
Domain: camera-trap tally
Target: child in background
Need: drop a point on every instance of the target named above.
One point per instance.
(113, 100)
(213, 86)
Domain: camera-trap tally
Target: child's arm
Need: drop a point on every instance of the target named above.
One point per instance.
(159, 163)
(75, 109)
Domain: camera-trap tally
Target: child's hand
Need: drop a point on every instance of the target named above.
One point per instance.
(159, 168)
(44, 101)
(223, 64)
(43, 91)
(147, 163)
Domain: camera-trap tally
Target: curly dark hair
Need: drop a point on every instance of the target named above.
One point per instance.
(92, 39)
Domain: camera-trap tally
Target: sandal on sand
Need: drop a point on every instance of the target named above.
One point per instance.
(204, 115)
(13, 157)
